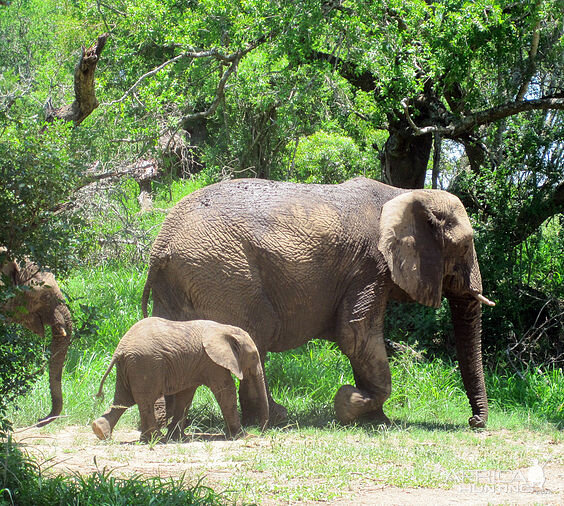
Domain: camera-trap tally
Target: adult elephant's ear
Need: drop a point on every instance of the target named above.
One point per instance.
(411, 245)
(224, 349)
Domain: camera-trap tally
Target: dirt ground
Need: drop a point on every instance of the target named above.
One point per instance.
(76, 450)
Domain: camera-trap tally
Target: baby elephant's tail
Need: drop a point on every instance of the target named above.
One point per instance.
(100, 394)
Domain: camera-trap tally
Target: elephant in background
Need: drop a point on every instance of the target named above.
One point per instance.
(290, 262)
(40, 302)
(159, 357)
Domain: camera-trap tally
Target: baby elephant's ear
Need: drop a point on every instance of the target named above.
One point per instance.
(224, 349)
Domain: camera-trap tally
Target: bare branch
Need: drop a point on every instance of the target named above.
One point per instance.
(504, 111)
(145, 76)
(85, 97)
(418, 130)
(531, 65)
(219, 94)
(466, 124)
(232, 58)
(109, 7)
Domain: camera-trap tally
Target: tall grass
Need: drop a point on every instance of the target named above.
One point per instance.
(427, 395)
(22, 482)
(105, 303)
(536, 392)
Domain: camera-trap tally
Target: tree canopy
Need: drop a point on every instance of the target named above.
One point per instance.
(466, 96)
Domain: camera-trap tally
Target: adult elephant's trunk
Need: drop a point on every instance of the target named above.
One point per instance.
(467, 321)
(59, 347)
(264, 411)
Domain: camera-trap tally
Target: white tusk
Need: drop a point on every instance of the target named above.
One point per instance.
(483, 300)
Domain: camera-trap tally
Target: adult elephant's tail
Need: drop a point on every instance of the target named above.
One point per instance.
(146, 294)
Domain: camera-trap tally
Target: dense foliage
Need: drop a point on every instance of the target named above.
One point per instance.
(467, 96)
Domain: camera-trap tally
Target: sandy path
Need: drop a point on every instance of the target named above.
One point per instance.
(76, 450)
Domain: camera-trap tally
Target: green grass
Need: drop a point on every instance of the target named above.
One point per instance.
(22, 482)
(105, 303)
(312, 457)
(536, 392)
(319, 464)
(428, 394)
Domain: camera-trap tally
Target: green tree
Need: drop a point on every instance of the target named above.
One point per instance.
(243, 84)
(43, 157)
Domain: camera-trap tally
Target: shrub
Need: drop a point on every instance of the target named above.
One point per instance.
(21, 355)
(327, 158)
(22, 482)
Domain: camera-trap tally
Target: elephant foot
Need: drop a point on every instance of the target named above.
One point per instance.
(352, 403)
(235, 433)
(377, 417)
(277, 415)
(242, 434)
(102, 429)
(477, 422)
(151, 436)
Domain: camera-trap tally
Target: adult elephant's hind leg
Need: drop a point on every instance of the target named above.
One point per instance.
(367, 353)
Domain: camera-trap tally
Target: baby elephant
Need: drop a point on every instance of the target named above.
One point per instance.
(161, 357)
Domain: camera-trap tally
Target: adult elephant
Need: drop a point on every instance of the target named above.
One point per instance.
(290, 262)
(39, 302)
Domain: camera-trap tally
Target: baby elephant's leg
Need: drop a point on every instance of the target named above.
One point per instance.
(181, 404)
(149, 425)
(104, 425)
(226, 395)
(123, 399)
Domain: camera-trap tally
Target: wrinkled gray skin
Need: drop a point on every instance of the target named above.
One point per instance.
(41, 304)
(159, 357)
(290, 262)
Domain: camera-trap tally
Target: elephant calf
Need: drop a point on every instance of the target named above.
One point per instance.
(159, 357)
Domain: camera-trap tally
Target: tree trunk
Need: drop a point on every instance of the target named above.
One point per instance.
(85, 97)
(405, 156)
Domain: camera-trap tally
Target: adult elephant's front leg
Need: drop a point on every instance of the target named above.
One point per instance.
(367, 353)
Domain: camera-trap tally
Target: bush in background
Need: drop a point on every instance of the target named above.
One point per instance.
(21, 357)
(325, 157)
